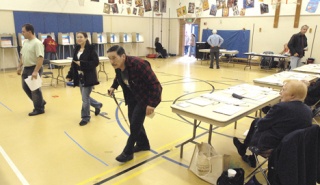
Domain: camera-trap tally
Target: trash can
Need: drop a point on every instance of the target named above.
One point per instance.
(310, 61)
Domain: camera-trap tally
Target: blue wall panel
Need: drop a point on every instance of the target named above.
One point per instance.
(76, 22)
(64, 23)
(20, 18)
(51, 23)
(97, 23)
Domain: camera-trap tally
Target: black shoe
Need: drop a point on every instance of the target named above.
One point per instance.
(124, 158)
(36, 112)
(250, 160)
(211, 67)
(97, 110)
(218, 67)
(83, 123)
(138, 149)
(240, 147)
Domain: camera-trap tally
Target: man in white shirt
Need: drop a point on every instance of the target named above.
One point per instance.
(215, 42)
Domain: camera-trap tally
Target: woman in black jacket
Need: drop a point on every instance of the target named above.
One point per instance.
(83, 73)
(160, 49)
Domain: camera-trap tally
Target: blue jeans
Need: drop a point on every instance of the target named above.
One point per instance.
(191, 50)
(186, 49)
(138, 136)
(294, 62)
(87, 101)
(35, 96)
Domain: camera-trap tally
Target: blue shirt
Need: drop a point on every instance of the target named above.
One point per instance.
(215, 40)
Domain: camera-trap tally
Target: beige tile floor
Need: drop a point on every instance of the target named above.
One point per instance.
(52, 149)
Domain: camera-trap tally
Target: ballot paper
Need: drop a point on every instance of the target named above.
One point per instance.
(200, 101)
(227, 109)
(33, 84)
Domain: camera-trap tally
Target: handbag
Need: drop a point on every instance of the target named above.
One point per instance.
(207, 164)
(237, 180)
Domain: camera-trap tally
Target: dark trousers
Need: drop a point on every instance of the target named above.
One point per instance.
(138, 136)
(252, 130)
(214, 53)
(35, 96)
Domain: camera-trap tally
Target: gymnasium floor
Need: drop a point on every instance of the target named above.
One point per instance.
(52, 149)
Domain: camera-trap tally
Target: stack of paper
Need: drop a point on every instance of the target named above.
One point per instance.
(33, 84)
(227, 109)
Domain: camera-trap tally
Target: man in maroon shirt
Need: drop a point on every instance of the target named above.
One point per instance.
(142, 93)
(50, 48)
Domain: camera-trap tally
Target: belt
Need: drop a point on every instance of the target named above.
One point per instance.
(29, 66)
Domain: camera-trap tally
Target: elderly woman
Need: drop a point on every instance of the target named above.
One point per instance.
(287, 116)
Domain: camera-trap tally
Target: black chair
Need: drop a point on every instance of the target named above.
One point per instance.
(266, 62)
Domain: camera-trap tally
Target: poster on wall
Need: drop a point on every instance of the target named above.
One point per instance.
(243, 12)
(248, 3)
(138, 3)
(179, 12)
(156, 6)
(312, 6)
(121, 2)
(110, 1)
(141, 11)
(205, 5)
(264, 8)
(191, 8)
(129, 2)
(213, 10)
(114, 8)
(225, 12)
(106, 8)
(134, 11)
(128, 10)
(147, 5)
(163, 6)
(235, 10)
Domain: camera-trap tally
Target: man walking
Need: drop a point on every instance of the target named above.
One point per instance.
(32, 53)
(215, 42)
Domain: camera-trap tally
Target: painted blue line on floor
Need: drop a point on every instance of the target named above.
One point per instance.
(85, 150)
(118, 120)
(181, 164)
(5, 106)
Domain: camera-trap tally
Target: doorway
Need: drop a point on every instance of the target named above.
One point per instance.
(188, 28)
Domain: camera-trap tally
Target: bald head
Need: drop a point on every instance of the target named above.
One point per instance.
(294, 90)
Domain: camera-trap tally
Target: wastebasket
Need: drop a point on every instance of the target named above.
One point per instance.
(310, 61)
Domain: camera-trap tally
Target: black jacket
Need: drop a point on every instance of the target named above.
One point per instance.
(297, 44)
(282, 119)
(89, 60)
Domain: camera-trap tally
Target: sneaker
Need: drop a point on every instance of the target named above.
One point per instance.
(218, 67)
(124, 158)
(138, 149)
(240, 147)
(250, 160)
(97, 110)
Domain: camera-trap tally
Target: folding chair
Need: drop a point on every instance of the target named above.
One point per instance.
(265, 154)
(47, 70)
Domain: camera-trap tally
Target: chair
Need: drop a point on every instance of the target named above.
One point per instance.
(266, 62)
(297, 150)
(47, 70)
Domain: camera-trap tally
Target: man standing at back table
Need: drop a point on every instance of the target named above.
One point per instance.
(297, 45)
(32, 53)
(215, 42)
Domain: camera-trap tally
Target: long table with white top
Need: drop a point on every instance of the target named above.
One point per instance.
(309, 68)
(220, 108)
(276, 80)
(67, 62)
(273, 56)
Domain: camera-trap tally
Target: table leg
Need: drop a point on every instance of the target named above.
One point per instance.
(102, 70)
(248, 62)
(60, 75)
(192, 138)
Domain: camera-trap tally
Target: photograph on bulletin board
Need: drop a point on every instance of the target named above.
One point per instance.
(147, 5)
(184, 10)
(219, 4)
(163, 6)
(213, 10)
(156, 6)
(138, 3)
(121, 1)
(106, 8)
(110, 1)
(225, 12)
(243, 12)
(179, 12)
(312, 6)
(141, 11)
(134, 11)
(129, 2)
(191, 8)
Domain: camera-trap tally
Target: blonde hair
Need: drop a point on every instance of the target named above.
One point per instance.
(297, 88)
